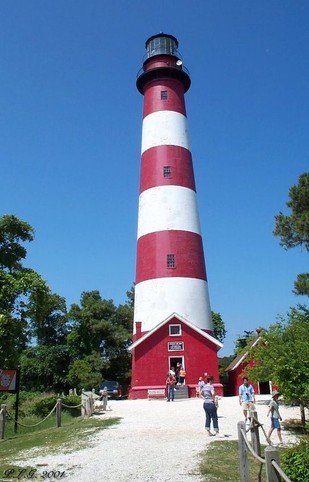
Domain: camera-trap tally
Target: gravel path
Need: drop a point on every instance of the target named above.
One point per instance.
(154, 442)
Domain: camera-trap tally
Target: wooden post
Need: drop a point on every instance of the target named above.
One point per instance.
(243, 454)
(91, 402)
(2, 420)
(88, 406)
(83, 402)
(58, 412)
(255, 437)
(271, 453)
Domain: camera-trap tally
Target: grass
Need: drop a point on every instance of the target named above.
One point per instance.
(220, 463)
(74, 434)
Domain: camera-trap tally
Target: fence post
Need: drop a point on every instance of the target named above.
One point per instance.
(2, 420)
(91, 403)
(271, 453)
(83, 402)
(243, 453)
(88, 406)
(255, 436)
(58, 412)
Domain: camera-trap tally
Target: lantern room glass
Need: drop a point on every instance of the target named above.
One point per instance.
(161, 45)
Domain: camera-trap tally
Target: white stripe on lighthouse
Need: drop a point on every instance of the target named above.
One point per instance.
(165, 127)
(168, 207)
(157, 299)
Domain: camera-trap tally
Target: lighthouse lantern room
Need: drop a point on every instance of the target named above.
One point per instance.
(172, 315)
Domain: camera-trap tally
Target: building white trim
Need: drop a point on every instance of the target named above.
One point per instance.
(166, 320)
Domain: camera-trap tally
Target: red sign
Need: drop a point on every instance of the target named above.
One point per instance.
(8, 380)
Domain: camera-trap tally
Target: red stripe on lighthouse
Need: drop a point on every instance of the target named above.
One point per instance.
(172, 100)
(152, 251)
(166, 165)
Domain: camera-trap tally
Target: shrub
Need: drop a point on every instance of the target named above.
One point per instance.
(43, 407)
(295, 461)
(72, 401)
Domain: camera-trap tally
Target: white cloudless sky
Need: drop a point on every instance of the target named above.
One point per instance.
(70, 137)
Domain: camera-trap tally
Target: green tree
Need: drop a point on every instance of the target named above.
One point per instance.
(243, 341)
(86, 373)
(100, 328)
(45, 368)
(219, 326)
(283, 357)
(224, 378)
(17, 283)
(48, 317)
(294, 228)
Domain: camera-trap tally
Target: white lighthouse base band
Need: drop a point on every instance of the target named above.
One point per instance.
(156, 299)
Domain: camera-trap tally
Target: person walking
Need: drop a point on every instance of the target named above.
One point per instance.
(246, 398)
(275, 417)
(207, 393)
(170, 384)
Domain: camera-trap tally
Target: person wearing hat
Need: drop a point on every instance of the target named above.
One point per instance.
(275, 417)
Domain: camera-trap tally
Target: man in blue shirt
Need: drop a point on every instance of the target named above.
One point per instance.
(246, 397)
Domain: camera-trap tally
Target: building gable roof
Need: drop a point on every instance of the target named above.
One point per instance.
(242, 356)
(183, 320)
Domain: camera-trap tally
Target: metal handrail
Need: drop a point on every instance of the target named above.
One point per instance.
(183, 69)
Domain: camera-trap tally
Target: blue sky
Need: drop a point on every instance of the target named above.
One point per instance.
(70, 136)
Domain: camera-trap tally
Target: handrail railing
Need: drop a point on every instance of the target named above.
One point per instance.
(182, 68)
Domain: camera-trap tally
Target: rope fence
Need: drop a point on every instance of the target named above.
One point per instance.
(86, 406)
(38, 423)
(274, 473)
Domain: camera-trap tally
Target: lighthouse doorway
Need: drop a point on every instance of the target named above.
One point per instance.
(174, 360)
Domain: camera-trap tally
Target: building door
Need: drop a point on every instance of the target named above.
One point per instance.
(264, 388)
(173, 360)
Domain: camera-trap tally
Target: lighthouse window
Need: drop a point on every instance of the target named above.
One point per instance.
(167, 171)
(171, 261)
(163, 94)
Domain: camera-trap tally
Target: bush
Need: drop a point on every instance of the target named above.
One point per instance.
(295, 461)
(43, 407)
(72, 401)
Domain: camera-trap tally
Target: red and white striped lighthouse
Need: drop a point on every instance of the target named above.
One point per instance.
(171, 283)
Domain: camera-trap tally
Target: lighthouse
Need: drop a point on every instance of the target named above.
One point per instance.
(172, 316)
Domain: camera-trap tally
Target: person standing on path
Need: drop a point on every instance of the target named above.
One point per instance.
(177, 372)
(182, 375)
(246, 398)
(275, 416)
(170, 384)
(207, 392)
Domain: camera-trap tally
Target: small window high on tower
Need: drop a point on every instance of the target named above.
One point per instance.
(170, 261)
(167, 171)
